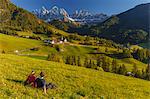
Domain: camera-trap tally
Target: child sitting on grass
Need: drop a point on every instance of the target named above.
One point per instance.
(30, 79)
(39, 82)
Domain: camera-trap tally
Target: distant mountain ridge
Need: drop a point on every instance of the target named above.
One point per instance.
(137, 17)
(87, 17)
(52, 14)
(131, 26)
(81, 16)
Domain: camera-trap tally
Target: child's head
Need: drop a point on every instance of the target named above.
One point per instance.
(33, 72)
(42, 74)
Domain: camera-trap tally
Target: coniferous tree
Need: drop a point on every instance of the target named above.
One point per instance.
(114, 66)
(68, 60)
(74, 60)
(89, 64)
(119, 70)
(135, 69)
(105, 64)
(71, 60)
(79, 61)
(138, 74)
(86, 62)
(143, 75)
(124, 70)
(93, 65)
(99, 61)
(148, 72)
(108, 67)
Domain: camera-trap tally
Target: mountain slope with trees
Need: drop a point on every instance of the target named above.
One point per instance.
(128, 27)
(14, 19)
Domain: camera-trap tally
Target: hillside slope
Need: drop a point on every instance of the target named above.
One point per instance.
(72, 82)
(13, 19)
(129, 26)
(10, 44)
(136, 18)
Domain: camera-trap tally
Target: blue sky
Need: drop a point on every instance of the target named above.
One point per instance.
(95, 6)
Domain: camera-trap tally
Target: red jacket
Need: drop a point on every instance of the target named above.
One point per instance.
(31, 79)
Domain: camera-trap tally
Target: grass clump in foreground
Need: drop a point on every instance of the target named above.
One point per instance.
(72, 81)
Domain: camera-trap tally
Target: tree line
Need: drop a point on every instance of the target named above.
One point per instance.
(103, 63)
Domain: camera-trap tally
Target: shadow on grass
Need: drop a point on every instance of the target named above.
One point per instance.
(16, 81)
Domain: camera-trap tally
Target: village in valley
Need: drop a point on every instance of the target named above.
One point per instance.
(55, 41)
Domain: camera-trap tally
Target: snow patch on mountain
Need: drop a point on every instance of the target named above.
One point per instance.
(82, 16)
(53, 13)
(87, 17)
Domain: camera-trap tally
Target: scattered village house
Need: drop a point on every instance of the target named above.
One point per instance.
(63, 40)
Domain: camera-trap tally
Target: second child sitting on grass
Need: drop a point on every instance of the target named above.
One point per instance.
(41, 83)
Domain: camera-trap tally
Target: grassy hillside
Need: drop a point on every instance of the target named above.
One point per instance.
(72, 82)
(10, 43)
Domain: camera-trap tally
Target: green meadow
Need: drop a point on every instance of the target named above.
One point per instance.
(11, 43)
(72, 82)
